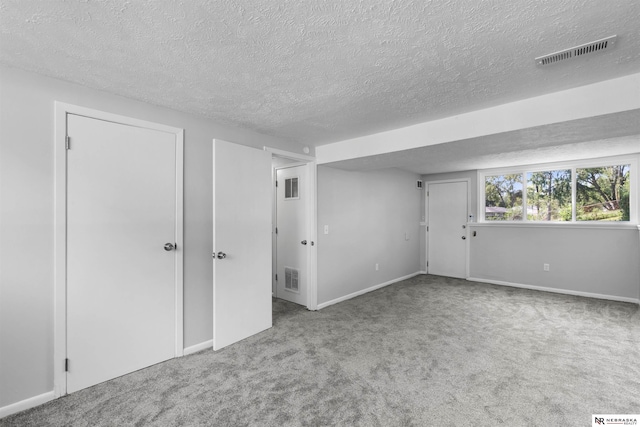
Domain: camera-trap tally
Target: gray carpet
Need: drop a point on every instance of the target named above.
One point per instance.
(429, 351)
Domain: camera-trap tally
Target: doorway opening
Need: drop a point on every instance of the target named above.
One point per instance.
(294, 228)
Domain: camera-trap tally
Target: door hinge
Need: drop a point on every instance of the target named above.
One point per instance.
(68, 142)
(276, 230)
(427, 228)
(276, 277)
(276, 183)
(427, 194)
(427, 263)
(66, 365)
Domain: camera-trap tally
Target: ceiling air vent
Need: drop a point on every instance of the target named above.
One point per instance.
(574, 52)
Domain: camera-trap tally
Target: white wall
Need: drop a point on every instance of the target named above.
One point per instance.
(27, 206)
(368, 214)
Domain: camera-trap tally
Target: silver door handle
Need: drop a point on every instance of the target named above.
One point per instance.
(304, 242)
(169, 247)
(221, 255)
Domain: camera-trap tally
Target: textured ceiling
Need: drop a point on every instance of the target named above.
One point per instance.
(602, 136)
(319, 71)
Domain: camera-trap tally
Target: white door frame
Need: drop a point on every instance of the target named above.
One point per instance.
(312, 213)
(60, 232)
(426, 216)
(274, 240)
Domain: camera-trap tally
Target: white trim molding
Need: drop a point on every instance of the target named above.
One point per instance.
(25, 404)
(198, 347)
(289, 154)
(556, 290)
(312, 217)
(638, 265)
(367, 290)
(62, 110)
(425, 223)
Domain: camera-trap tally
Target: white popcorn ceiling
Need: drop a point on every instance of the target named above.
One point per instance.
(317, 71)
(602, 136)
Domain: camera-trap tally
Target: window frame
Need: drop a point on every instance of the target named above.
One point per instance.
(631, 160)
(291, 180)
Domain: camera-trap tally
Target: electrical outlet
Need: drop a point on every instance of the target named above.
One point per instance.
(545, 267)
(326, 229)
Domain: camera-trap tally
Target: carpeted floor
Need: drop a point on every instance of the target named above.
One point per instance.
(429, 351)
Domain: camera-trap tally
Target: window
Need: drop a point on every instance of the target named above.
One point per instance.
(585, 191)
(291, 188)
(549, 195)
(602, 194)
(503, 197)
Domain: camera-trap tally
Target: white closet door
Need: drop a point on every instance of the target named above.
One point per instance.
(121, 211)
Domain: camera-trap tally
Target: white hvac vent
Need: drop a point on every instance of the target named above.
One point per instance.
(291, 282)
(574, 52)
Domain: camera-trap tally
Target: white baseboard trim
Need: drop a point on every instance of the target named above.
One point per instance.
(32, 402)
(556, 290)
(367, 290)
(29, 403)
(198, 347)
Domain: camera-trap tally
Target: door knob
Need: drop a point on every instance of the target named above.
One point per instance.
(221, 255)
(304, 242)
(169, 247)
(464, 237)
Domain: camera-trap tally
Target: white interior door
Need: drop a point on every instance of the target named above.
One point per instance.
(447, 244)
(241, 242)
(293, 242)
(121, 285)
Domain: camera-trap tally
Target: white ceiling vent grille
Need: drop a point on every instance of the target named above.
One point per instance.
(574, 52)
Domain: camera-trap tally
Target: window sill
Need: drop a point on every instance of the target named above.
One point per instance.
(534, 224)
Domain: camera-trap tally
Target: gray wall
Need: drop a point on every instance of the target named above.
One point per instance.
(603, 261)
(368, 214)
(596, 261)
(27, 207)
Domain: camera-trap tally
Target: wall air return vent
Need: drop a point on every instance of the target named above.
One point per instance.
(574, 52)
(291, 280)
